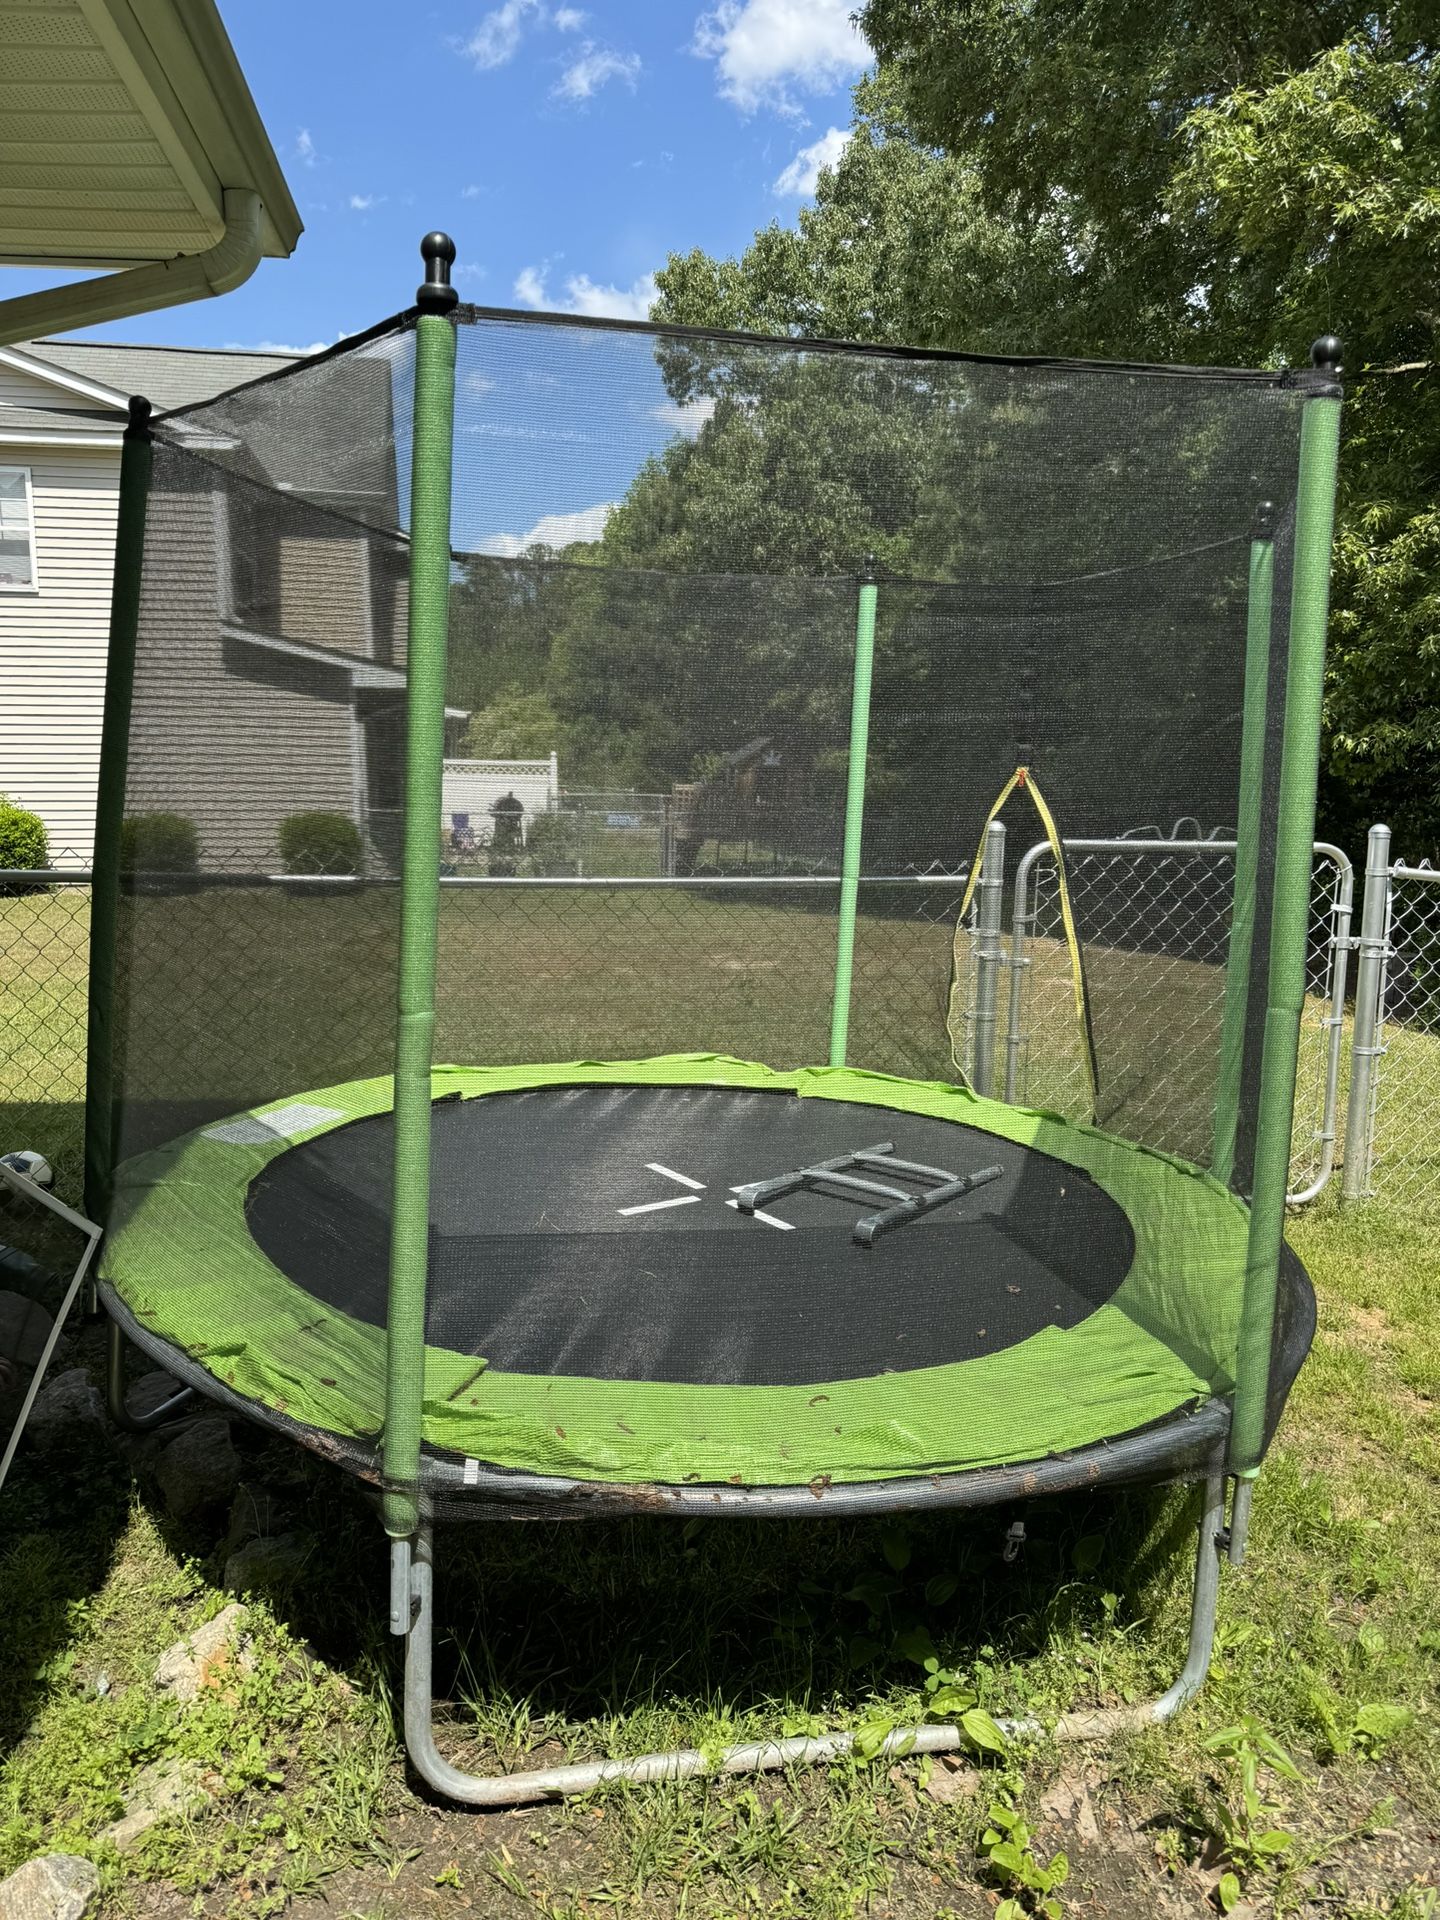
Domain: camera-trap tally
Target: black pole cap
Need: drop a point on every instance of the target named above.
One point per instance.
(1262, 527)
(1327, 354)
(138, 417)
(435, 294)
(869, 570)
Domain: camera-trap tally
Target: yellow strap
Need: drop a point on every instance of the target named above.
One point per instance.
(1021, 778)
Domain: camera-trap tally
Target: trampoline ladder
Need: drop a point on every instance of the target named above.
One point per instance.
(833, 1177)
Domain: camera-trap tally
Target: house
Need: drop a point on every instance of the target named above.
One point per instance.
(62, 411)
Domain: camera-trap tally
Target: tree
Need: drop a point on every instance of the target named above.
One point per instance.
(1085, 176)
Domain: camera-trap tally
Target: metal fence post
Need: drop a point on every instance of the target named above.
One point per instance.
(1365, 1043)
(989, 956)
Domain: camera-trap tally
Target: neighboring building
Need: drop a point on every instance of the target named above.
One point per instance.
(62, 411)
(477, 792)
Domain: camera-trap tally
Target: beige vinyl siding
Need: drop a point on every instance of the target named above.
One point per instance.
(53, 641)
(19, 389)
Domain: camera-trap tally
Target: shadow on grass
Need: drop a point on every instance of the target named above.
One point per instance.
(611, 1635)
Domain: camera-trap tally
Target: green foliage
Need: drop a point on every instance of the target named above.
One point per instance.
(517, 724)
(1030, 1884)
(23, 841)
(1245, 1821)
(159, 843)
(319, 842)
(1081, 176)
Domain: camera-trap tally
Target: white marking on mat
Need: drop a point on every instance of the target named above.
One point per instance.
(654, 1166)
(472, 1473)
(770, 1219)
(654, 1206)
(254, 1129)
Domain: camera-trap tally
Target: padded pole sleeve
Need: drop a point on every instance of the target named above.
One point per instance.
(1247, 852)
(419, 908)
(854, 820)
(136, 460)
(1289, 919)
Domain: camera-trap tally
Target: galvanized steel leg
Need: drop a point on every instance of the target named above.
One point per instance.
(413, 1563)
(123, 1418)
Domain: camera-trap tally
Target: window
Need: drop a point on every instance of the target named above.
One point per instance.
(17, 531)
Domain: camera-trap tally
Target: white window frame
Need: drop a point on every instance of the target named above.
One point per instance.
(33, 584)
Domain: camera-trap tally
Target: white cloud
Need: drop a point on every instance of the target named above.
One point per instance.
(278, 346)
(471, 192)
(802, 176)
(685, 416)
(478, 383)
(497, 38)
(584, 295)
(763, 48)
(569, 19)
(558, 530)
(363, 202)
(305, 148)
(593, 69)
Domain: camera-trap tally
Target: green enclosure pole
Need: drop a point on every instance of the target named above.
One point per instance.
(1290, 906)
(1247, 839)
(136, 459)
(854, 815)
(433, 435)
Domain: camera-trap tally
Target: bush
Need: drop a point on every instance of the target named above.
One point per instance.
(553, 842)
(22, 837)
(319, 843)
(159, 843)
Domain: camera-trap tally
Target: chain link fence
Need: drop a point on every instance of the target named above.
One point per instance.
(44, 972)
(570, 965)
(1152, 916)
(1403, 1162)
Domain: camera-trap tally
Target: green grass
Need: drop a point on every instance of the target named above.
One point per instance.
(558, 1640)
(563, 1641)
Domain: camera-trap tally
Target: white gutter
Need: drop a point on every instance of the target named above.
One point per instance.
(163, 283)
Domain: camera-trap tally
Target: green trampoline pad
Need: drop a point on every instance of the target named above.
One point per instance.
(599, 1309)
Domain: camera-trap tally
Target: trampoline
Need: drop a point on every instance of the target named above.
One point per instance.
(601, 1313)
(717, 1211)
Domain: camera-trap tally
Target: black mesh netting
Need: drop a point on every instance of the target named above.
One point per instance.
(658, 541)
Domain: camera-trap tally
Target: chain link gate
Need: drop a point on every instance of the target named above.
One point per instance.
(1393, 1126)
(1156, 931)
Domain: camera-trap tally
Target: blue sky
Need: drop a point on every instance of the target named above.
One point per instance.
(568, 148)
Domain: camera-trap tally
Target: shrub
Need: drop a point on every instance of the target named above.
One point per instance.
(553, 842)
(319, 843)
(159, 843)
(22, 837)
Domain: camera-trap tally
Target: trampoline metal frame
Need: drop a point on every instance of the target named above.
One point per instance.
(1220, 1441)
(412, 1601)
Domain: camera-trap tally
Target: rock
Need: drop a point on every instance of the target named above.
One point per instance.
(1069, 1800)
(150, 1391)
(198, 1468)
(24, 1329)
(255, 1514)
(68, 1409)
(203, 1658)
(951, 1779)
(57, 1886)
(163, 1791)
(267, 1564)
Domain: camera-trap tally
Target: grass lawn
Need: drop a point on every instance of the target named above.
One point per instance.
(562, 1639)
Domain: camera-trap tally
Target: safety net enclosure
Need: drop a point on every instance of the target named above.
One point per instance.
(545, 1038)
